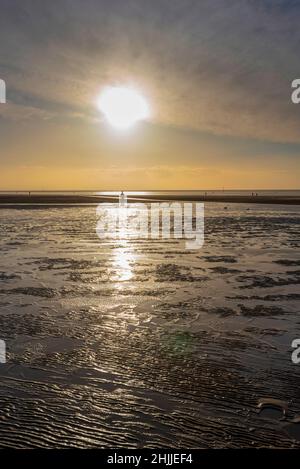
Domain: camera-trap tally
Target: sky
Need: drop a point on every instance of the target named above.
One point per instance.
(217, 76)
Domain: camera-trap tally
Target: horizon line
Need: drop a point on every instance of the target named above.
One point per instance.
(144, 190)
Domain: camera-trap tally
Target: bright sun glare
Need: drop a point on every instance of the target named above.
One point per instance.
(123, 107)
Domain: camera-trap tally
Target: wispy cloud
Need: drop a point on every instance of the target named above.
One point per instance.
(219, 66)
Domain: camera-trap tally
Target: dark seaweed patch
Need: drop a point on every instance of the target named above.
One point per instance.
(226, 259)
(173, 273)
(42, 292)
(4, 276)
(287, 262)
(224, 270)
(262, 310)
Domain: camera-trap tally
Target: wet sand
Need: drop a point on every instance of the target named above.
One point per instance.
(69, 200)
(141, 343)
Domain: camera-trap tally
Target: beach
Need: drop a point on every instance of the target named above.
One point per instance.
(77, 199)
(141, 343)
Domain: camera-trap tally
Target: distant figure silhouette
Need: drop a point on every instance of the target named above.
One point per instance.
(122, 199)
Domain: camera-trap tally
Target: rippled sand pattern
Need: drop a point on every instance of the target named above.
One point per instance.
(141, 343)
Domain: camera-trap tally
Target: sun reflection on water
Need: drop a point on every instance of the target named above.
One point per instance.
(123, 254)
(122, 262)
(124, 229)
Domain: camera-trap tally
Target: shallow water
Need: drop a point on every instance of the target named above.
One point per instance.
(142, 343)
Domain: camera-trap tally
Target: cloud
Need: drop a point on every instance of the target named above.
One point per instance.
(217, 66)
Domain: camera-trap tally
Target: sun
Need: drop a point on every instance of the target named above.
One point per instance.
(123, 107)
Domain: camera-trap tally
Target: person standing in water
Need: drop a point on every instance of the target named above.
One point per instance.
(122, 199)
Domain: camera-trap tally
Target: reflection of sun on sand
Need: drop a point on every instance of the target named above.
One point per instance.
(123, 255)
(122, 263)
